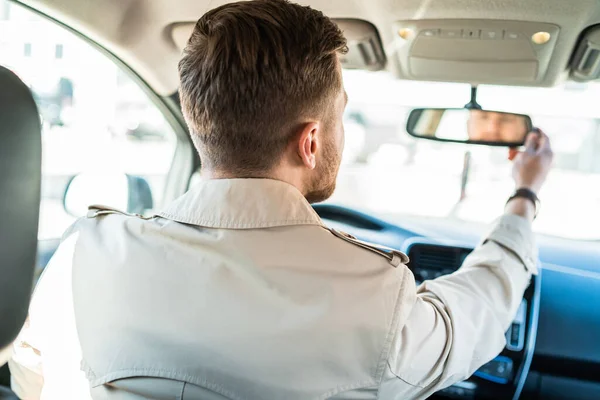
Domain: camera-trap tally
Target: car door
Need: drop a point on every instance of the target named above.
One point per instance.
(99, 122)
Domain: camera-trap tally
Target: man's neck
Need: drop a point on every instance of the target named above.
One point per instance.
(207, 173)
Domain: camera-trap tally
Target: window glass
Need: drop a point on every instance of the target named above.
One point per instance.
(389, 172)
(96, 119)
(4, 11)
(58, 51)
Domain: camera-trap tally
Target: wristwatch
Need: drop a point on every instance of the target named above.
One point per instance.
(527, 194)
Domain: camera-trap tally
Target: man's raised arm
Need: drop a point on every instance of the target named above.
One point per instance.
(459, 320)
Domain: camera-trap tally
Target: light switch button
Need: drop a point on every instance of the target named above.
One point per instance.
(512, 35)
(430, 32)
(451, 33)
(491, 34)
(471, 33)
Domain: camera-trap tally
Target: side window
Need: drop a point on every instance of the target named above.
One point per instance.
(103, 138)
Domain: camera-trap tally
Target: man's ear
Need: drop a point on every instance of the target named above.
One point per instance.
(308, 144)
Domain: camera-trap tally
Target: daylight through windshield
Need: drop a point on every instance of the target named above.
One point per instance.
(388, 172)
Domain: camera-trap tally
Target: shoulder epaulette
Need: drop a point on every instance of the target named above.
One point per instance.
(97, 210)
(395, 257)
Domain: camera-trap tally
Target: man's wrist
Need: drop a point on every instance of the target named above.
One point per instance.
(522, 207)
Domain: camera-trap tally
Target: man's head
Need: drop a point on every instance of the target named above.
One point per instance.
(262, 93)
(489, 126)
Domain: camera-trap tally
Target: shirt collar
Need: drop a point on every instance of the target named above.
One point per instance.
(242, 204)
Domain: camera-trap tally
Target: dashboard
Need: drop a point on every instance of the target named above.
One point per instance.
(504, 376)
(553, 345)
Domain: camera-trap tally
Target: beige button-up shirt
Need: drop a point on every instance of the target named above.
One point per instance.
(237, 290)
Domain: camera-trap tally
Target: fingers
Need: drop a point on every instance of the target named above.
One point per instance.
(532, 142)
(544, 143)
(536, 143)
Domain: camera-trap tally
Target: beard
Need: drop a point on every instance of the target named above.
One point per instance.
(321, 184)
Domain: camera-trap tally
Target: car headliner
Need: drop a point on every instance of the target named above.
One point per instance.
(139, 31)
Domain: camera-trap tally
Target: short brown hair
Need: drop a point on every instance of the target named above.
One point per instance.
(249, 73)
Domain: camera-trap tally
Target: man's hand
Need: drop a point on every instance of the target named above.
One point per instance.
(531, 166)
(530, 170)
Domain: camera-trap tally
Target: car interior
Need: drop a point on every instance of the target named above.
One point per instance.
(20, 163)
(422, 77)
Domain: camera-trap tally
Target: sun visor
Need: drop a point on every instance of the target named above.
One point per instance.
(475, 51)
(181, 32)
(365, 50)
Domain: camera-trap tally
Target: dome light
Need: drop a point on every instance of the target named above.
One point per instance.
(540, 37)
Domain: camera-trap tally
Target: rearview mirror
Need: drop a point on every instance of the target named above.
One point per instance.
(460, 125)
(121, 191)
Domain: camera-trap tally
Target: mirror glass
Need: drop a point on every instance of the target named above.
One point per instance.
(469, 126)
(85, 189)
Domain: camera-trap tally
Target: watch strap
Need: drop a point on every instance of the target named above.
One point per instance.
(527, 194)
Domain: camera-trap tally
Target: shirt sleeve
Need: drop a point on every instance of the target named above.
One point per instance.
(53, 288)
(459, 320)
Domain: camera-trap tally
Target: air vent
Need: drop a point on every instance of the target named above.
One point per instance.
(436, 258)
(586, 61)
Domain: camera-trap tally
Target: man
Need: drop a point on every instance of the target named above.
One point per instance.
(490, 126)
(237, 290)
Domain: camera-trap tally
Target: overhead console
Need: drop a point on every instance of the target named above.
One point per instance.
(475, 51)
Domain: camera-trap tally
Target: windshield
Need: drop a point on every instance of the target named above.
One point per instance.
(387, 172)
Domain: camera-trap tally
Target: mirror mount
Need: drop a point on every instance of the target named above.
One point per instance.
(473, 104)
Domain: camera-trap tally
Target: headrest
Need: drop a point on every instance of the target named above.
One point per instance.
(20, 180)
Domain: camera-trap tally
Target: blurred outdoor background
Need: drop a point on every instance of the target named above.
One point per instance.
(96, 118)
